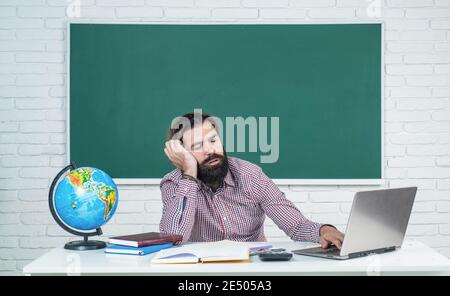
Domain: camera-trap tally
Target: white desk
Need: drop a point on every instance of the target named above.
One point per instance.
(414, 258)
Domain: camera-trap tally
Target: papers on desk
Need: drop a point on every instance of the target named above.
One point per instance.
(220, 251)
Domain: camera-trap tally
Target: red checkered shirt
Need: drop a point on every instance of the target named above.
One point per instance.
(236, 211)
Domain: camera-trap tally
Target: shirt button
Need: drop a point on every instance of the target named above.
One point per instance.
(225, 219)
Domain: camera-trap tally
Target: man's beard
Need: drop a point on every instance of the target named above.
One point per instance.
(213, 175)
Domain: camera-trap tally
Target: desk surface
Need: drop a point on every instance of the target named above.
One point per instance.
(413, 258)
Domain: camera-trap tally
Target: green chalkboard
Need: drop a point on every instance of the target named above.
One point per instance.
(322, 82)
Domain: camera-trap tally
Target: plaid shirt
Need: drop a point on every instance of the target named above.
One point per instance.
(236, 211)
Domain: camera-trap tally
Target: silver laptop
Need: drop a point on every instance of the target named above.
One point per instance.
(377, 224)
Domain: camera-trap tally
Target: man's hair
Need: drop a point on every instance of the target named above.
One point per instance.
(187, 121)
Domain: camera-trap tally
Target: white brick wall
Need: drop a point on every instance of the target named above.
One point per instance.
(32, 115)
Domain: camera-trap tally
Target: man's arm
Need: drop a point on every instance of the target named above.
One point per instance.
(179, 200)
(283, 212)
(179, 207)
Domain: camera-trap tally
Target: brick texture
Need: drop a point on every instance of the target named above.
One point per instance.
(33, 122)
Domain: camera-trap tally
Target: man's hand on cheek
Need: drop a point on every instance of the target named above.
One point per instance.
(330, 235)
(180, 157)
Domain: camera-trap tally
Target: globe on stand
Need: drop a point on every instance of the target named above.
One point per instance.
(82, 200)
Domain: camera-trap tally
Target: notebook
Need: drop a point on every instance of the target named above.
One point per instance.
(203, 252)
(145, 239)
(125, 250)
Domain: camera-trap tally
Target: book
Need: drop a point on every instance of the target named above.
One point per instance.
(221, 251)
(125, 250)
(145, 239)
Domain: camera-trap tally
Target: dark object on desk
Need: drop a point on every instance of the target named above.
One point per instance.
(265, 249)
(145, 239)
(275, 255)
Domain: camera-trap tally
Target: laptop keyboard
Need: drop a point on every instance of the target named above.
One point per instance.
(332, 251)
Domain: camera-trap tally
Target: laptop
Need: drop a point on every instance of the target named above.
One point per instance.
(377, 224)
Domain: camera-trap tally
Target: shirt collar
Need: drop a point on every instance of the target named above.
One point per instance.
(229, 179)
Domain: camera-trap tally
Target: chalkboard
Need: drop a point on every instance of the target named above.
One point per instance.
(322, 81)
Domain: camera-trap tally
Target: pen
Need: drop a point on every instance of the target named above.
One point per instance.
(259, 248)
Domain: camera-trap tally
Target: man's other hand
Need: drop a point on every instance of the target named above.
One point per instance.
(330, 235)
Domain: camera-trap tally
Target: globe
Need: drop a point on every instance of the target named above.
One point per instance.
(82, 200)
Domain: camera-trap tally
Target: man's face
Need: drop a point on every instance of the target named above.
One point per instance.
(204, 143)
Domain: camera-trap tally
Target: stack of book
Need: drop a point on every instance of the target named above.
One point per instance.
(141, 243)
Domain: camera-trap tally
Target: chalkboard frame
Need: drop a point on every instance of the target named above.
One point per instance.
(155, 181)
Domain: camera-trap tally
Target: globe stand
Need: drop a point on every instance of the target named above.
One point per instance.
(80, 245)
(85, 244)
